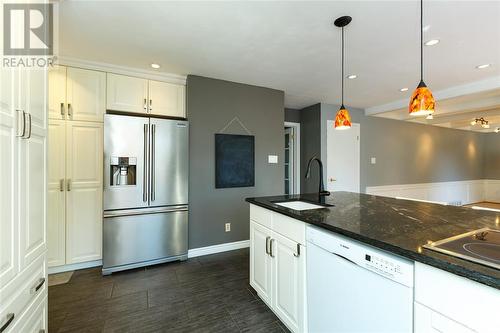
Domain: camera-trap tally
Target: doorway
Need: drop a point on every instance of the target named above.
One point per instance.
(343, 158)
(292, 158)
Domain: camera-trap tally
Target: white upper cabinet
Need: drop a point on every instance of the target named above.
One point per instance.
(167, 99)
(57, 92)
(126, 93)
(85, 94)
(131, 94)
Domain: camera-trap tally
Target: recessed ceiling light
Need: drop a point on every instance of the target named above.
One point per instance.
(431, 42)
(429, 117)
(403, 89)
(155, 66)
(483, 66)
(497, 130)
(352, 76)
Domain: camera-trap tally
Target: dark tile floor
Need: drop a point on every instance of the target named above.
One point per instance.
(204, 294)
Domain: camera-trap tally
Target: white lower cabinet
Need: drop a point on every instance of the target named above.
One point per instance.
(277, 265)
(448, 303)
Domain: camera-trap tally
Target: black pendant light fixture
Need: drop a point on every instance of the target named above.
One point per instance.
(421, 102)
(342, 119)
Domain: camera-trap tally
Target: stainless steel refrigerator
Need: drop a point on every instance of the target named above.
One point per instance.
(145, 191)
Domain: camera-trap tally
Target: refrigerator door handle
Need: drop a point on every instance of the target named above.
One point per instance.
(133, 212)
(145, 176)
(153, 163)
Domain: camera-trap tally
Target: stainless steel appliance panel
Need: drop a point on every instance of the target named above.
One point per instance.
(169, 162)
(126, 138)
(144, 236)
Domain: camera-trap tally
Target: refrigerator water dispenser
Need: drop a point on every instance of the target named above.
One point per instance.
(123, 171)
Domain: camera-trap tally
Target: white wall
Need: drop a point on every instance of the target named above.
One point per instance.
(458, 193)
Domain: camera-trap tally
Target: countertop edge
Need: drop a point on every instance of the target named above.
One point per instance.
(411, 255)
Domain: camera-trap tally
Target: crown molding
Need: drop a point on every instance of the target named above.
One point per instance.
(452, 92)
(124, 70)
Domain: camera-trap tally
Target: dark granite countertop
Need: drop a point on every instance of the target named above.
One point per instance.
(398, 226)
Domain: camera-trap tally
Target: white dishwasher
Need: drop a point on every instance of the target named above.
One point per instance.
(352, 287)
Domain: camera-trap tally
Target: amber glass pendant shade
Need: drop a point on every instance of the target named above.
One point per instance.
(421, 102)
(343, 119)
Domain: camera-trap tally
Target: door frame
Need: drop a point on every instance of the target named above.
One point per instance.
(330, 127)
(296, 155)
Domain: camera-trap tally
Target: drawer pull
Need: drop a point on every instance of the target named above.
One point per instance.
(8, 319)
(38, 285)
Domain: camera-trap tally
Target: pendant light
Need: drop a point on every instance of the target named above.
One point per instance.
(342, 119)
(421, 102)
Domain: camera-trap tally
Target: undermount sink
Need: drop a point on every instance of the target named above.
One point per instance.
(298, 205)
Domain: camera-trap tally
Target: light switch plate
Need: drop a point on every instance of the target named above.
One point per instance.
(373, 160)
(272, 159)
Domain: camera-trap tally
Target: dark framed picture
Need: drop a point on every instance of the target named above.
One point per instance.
(234, 160)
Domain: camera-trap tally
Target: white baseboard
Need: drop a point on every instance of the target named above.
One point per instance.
(203, 251)
(462, 192)
(198, 252)
(74, 267)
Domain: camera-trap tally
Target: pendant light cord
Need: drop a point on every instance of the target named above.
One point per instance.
(342, 81)
(421, 40)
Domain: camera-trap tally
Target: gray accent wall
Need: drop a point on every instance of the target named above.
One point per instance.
(292, 115)
(492, 156)
(310, 145)
(211, 105)
(410, 153)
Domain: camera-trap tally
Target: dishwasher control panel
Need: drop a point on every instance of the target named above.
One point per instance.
(378, 261)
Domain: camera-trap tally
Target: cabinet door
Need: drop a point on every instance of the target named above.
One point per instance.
(126, 93)
(57, 92)
(36, 96)
(32, 177)
(84, 144)
(260, 262)
(167, 99)
(429, 321)
(9, 120)
(289, 282)
(86, 94)
(56, 230)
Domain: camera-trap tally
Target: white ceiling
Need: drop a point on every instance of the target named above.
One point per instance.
(292, 46)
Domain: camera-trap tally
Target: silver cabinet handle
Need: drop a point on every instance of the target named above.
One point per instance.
(62, 110)
(61, 185)
(271, 247)
(6, 322)
(70, 110)
(267, 244)
(29, 126)
(150, 105)
(145, 105)
(153, 163)
(144, 176)
(38, 285)
(21, 115)
(68, 185)
(298, 251)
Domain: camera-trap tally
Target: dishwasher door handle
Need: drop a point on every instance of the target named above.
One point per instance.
(342, 257)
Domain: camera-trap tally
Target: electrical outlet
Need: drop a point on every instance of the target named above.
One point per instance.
(228, 227)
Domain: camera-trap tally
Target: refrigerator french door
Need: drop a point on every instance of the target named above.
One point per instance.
(145, 191)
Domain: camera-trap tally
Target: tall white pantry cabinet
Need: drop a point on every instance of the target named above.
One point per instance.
(23, 216)
(76, 109)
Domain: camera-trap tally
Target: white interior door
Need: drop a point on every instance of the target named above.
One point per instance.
(343, 158)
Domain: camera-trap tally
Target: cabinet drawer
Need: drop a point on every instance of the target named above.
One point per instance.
(34, 319)
(290, 228)
(17, 296)
(262, 216)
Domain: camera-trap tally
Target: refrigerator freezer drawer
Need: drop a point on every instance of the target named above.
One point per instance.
(140, 240)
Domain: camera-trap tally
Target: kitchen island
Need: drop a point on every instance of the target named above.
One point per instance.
(398, 227)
